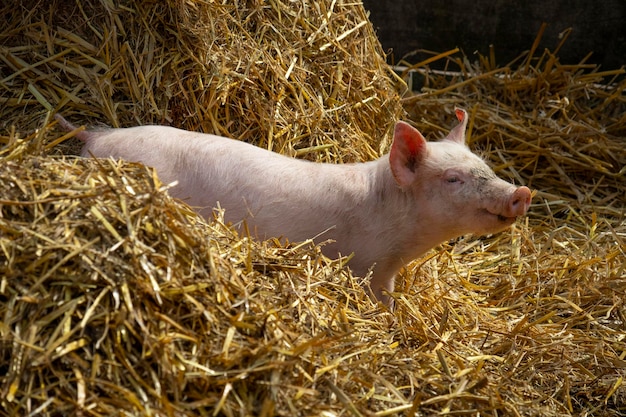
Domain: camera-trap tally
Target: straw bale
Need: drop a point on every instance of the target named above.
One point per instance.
(144, 305)
(306, 79)
(118, 300)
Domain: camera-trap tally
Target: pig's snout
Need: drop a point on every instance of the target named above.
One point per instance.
(518, 203)
(511, 205)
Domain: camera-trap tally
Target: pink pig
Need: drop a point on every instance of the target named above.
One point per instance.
(387, 212)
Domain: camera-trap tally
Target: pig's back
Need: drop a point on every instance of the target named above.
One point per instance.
(276, 195)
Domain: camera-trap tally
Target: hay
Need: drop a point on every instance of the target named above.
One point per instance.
(302, 80)
(116, 299)
(147, 308)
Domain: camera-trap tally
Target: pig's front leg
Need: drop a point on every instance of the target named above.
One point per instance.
(380, 286)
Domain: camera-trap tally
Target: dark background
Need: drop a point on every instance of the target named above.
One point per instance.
(511, 26)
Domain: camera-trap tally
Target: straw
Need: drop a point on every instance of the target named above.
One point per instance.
(118, 300)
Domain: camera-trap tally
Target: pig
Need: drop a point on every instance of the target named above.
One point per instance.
(385, 212)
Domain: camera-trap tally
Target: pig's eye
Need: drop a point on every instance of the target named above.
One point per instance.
(453, 176)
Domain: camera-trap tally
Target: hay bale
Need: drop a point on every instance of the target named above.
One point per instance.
(306, 80)
(143, 307)
(116, 299)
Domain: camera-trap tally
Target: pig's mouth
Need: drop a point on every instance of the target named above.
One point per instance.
(500, 217)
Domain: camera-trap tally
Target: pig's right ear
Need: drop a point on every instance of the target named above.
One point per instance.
(458, 133)
(407, 152)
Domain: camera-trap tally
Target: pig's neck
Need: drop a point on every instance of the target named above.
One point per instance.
(402, 226)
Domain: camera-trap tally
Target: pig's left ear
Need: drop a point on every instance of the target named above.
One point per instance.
(407, 152)
(458, 133)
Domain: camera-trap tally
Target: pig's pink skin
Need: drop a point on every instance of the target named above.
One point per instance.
(387, 212)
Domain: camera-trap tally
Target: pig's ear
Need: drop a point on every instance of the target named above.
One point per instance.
(407, 151)
(458, 133)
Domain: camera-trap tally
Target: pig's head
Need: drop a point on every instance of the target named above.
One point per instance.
(452, 187)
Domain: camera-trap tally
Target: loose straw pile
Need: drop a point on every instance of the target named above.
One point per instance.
(304, 80)
(117, 299)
